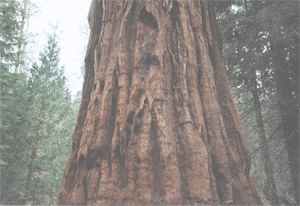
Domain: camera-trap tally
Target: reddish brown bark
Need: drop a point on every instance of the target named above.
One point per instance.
(157, 123)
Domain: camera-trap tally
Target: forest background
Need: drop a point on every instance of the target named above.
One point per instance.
(37, 114)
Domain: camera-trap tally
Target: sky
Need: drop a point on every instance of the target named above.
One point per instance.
(71, 18)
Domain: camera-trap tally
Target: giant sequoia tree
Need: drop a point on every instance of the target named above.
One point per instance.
(157, 123)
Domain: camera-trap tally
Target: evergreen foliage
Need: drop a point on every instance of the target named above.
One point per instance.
(249, 30)
(14, 135)
(10, 24)
(37, 119)
(51, 109)
(12, 113)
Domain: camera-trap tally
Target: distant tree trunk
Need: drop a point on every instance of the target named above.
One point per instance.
(289, 111)
(157, 123)
(269, 189)
(2, 169)
(34, 150)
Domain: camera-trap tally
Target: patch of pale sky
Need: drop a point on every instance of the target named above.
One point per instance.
(71, 16)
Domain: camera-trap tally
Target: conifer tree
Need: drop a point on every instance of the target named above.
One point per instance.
(10, 26)
(12, 105)
(37, 115)
(50, 105)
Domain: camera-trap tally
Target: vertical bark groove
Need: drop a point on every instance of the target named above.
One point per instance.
(158, 122)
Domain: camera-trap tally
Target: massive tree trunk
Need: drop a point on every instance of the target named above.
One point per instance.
(157, 123)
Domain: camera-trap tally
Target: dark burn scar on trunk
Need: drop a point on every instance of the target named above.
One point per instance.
(147, 18)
